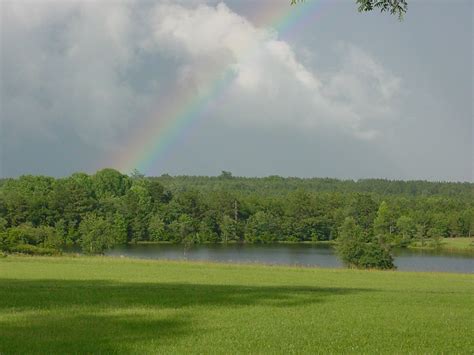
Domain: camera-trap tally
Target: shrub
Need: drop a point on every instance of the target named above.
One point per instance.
(26, 236)
(375, 256)
(33, 250)
(357, 249)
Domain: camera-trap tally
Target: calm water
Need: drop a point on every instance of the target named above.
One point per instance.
(293, 254)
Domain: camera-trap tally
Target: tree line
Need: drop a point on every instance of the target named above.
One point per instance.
(43, 215)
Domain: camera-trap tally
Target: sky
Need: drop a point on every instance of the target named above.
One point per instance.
(256, 88)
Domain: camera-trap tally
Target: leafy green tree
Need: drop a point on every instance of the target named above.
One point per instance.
(137, 175)
(50, 238)
(363, 209)
(421, 233)
(394, 7)
(225, 175)
(156, 228)
(301, 205)
(182, 229)
(97, 234)
(3, 224)
(206, 233)
(120, 228)
(110, 182)
(29, 239)
(467, 221)
(454, 224)
(259, 209)
(384, 223)
(60, 228)
(22, 201)
(71, 199)
(357, 249)
(406, 227)
(228, 228)
(315, 236)
(262, 227)
(439, 226)
(157, 192)
(350, 242)
(136, 208)
(24, 234)
(190, 202)
(435, 237)
(208, 229)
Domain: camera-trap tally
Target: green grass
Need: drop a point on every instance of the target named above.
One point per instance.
(458, 244)
(112, 305)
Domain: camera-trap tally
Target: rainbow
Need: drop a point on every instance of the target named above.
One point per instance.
(150, 142)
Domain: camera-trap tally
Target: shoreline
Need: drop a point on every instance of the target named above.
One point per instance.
(466, 248)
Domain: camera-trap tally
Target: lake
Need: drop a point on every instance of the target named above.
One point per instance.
(293, 254)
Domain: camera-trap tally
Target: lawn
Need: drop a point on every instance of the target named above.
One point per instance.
(458, 244)
(113, 305)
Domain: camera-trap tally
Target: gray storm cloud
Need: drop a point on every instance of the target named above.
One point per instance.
(92, 71)
(82, 50)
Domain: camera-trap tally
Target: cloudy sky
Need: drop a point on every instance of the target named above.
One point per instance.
(256, 88)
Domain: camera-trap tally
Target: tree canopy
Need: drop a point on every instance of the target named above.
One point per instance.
(43, 215)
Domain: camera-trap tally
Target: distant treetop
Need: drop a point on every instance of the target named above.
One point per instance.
(225, 175)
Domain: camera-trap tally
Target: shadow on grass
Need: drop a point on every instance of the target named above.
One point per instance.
(103, 316)
(82, 332)
(33, 294)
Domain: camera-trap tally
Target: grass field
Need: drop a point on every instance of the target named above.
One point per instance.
(111, 305)
(466, 244)
(459, 244)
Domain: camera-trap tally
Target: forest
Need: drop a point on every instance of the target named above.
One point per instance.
(44, 215)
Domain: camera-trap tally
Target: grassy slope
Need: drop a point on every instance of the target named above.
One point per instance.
(121, 305)
(459, 244)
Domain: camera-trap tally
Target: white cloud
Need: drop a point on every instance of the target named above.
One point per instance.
(66, 62)
(268, 74)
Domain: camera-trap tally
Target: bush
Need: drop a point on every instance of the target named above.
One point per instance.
(356, 249)
(156, 228)
(33, 250)
(375, 256)
(21, 238)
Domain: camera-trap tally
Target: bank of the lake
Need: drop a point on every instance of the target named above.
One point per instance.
(463, 245)
(120, 305)
(459, 244)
